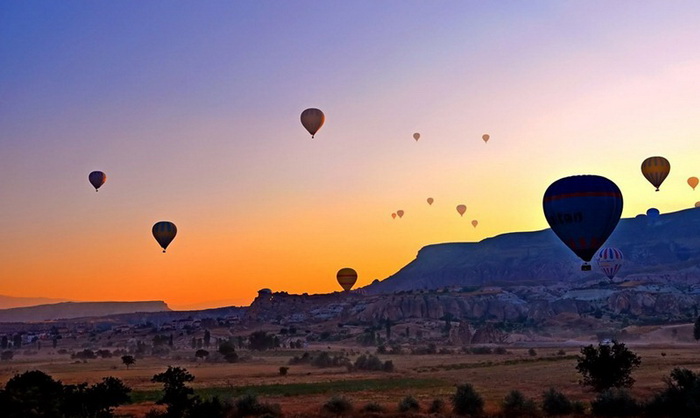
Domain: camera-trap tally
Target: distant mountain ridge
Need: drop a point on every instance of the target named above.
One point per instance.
(667, 245)
(68, 310)
(8, 302)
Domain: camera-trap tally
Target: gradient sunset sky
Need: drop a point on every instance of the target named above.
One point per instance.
(192, 110)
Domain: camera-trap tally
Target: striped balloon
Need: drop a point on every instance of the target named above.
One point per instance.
(164, 232)
(656, 169)
(346, 278)
(610, 261)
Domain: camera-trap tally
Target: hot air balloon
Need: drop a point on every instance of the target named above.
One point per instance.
(583, 211)
(697, 204)
(653, 213)
(312, 119)
(164, 232)
(461, 209)
(610, 261)
(430, 200)
(97, 179)
(416, 136)
(485, 137)
(693, 182)
(656, 169)
(393, 215)
(400, 213)
(346, 278)
(475, 223)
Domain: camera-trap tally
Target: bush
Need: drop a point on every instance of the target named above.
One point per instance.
(500, 350)
(607, 366)
(466, 401)
(337, 405)
(556, 403)
(436, 406)
(615, 403)
(515, 404)
(372, 363)
(480, 350)
(372, 407)
(532, 352)
(680, 398)
(409, 404)
(248, 405)
(283, 370)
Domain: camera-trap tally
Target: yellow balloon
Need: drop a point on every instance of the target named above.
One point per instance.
(655, 170)
(400, 213)
(485, 137)
(461, 209)
(416, 136)
(312, 119)
(430, 200)
(693, 182)
(346, 278)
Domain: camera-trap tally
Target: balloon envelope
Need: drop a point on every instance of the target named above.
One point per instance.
(697, 204)
(164, 232)
(461, 209)
(97, 179)
(693, 182)
(400, 213)
(416, 136)
(655, 170)
(610, 261)
(583, 211)
(346, 278)
(653, 213)
(393, 215)
(312, 119)
(430, 200)
(486, 137)
(475, 223)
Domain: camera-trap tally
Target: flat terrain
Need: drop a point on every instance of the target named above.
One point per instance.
(305, 388)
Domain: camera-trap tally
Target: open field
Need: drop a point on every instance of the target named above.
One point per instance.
(426, 377)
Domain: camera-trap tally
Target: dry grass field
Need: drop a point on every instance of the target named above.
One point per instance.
(426, 377)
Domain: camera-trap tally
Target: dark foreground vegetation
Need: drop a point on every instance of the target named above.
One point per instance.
(605, 369)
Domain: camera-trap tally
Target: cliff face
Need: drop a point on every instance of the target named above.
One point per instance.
(67, 310)
(652, 248)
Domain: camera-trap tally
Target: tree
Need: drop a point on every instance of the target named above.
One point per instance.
(4, 342)
(177, 396)
(17, 341)
(207, 338)
(696, 329)
(32, 394)
(261, 341)
(607, 366)
(466, 401)
(227, 350)
(128, 360)
(201, 354)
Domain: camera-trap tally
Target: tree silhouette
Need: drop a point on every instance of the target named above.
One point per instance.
(128, 360)
(607, 366)
(176, 395)
(696, 329)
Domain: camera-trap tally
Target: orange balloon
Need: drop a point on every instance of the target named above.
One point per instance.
(393, 215)
(461, 209)
(485, 137)
(430, 200)
(693, 182)
(400, 213)
(312, 119)
(475, 223)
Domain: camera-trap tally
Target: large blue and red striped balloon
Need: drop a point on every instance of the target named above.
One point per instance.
(583, 211)
(610, 261)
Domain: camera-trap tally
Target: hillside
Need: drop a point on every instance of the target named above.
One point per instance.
(668, 246)
(67, 310)
(9, 302)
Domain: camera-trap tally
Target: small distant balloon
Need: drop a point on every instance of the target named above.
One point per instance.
(346, 278)
(653, 213)
(393, 215)
(486, 137)
(697, 204)
(430, 200)
(97, 179)
(475, 223)
(164, 232)
(416, 136)
(400, 213)
(461, 209)
(693, 182)
(312, 119)
(610, 261)
(655, 170)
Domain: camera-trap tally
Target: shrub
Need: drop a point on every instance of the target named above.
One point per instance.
(500, 350)
(373, 407)
(436, 406)
(556, 403)
(248, 405)
(337, 405)
(515, 404)
(466, 401)
(615, 403)
(532, 352)
(607, 366)
(409, 404)
(283, 370)
(680, 398)
(481, 350)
